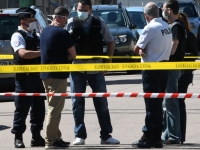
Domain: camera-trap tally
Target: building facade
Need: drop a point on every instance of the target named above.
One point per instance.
(48, 6)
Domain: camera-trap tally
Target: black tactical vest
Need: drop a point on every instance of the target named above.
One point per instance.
(31, 44)
(90, 43)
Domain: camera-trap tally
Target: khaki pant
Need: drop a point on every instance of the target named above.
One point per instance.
(55, 107)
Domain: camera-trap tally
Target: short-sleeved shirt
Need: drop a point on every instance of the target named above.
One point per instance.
(177, 33)
(86, 24)
(54, 45)
(17, 40)
(156, 40)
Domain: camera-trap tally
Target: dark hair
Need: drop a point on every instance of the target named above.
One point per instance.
(62, 11)
(86, 2)
(173, 5)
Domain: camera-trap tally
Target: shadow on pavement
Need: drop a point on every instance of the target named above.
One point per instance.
(2, 127)
(129, 81)
(99, 147)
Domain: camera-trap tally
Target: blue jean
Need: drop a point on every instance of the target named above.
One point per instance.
(154, 81)
(78, 83)
(171, 109)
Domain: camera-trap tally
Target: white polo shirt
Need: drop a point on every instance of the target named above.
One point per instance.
(156, 40)
(17, 40)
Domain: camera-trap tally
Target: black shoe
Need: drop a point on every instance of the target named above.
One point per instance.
(64, 143)
(19, 144)
(149, 143)
(37, 142)
(171, 142)
(144, 138)
(57, 145)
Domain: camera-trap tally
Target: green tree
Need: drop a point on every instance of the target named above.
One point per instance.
(26, 3)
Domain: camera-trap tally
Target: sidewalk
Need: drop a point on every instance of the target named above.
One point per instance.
(127, 116)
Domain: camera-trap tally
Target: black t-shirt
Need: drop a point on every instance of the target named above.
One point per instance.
(54, 42)
(178, 33)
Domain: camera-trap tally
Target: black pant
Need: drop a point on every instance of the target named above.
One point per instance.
(183, 83)
(154, 81)
(30, 83)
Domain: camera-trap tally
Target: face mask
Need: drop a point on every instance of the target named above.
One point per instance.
(32, 26)
(164, 15)
(82, 15)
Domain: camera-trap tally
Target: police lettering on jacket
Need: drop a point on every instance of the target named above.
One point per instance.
(166, 31)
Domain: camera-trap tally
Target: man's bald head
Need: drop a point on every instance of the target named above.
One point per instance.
(151, 10)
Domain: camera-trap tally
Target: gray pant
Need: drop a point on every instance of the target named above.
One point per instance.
(171, 109)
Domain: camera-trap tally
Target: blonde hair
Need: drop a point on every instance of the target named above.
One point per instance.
(183, 17)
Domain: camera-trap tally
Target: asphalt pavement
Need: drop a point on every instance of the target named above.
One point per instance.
(127, 117)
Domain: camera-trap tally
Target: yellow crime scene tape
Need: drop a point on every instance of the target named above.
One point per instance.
(96, 57)
(120, 57)
(99, 67)
(6, 57)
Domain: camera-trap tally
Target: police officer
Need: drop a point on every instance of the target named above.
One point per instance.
(88, 33)
(154, 81)
(26, 52)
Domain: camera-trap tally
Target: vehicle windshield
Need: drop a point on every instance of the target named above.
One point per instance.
(8, 25)
(138, 19)
(188, 9)
(112, 18)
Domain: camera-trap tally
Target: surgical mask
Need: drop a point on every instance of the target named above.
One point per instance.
(32, 26)
(164, 15)
(82, 15)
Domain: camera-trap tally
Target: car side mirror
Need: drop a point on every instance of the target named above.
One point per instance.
(133, 26)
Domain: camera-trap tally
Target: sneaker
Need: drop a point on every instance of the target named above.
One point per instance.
(110, 141)
(57, 145)
(79, 141)
(37, 142)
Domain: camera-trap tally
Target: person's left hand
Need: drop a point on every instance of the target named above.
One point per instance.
(142, 52)
(105, 71)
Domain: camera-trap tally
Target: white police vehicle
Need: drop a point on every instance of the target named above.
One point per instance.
(9, 23)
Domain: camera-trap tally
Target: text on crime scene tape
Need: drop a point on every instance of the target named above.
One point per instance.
(99, 67)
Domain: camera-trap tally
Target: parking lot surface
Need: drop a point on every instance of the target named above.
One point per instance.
(127, 117)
